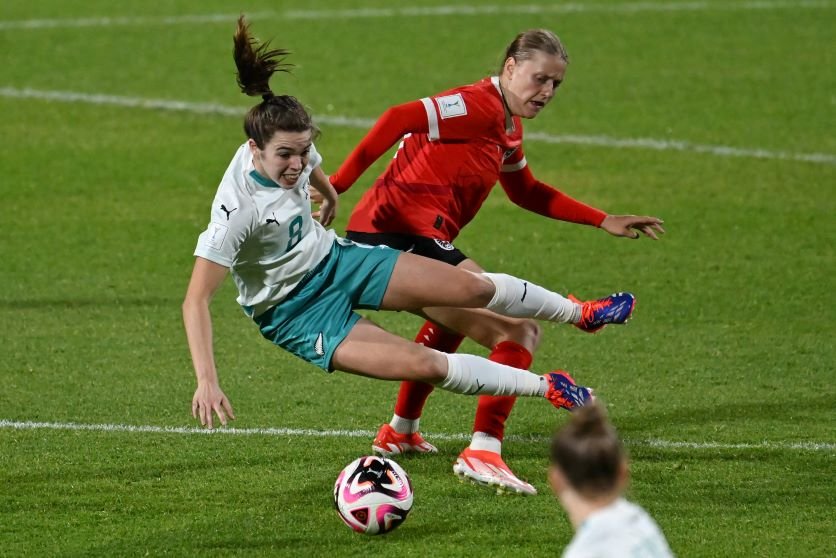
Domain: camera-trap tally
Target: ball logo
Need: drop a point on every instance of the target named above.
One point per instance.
(361, 515)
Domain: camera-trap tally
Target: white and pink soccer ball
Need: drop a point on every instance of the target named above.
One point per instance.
(373, 495)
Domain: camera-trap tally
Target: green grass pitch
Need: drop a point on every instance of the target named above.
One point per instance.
(717, 116)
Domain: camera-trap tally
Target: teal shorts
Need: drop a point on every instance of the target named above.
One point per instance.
(318, 314)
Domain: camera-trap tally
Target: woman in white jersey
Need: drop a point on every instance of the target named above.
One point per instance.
(300, 283)
(589, 474)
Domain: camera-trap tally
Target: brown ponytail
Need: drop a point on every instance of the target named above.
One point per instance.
(256, 63)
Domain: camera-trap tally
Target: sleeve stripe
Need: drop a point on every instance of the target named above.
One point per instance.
(515, 167)
(432, 118)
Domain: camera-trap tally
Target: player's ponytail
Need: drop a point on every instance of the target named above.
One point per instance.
(588, 452)
(256, 63)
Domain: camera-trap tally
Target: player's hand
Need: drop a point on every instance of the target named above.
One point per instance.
(316, 196)
(326, 212)
(208, 398)
(630, 226)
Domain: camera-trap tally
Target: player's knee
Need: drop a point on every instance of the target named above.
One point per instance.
(480, 289)
(530, 331)
(523, 332)
(428, 365)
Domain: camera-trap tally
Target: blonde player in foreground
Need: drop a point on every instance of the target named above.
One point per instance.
(588, 474)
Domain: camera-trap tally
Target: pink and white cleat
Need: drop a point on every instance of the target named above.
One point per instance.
(488, 469)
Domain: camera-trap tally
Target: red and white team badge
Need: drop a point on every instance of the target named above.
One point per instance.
(444, 245)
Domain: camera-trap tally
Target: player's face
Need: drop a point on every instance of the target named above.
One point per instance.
(530, 84)
(283, 158)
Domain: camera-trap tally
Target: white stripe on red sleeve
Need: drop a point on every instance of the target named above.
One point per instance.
(515, 166)
(432, 118)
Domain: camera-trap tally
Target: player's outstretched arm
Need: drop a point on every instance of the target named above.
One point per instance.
(529, 193)
(390, 128)
(208, 398)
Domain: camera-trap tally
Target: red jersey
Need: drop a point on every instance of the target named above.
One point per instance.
(455, 147)
(438, 180)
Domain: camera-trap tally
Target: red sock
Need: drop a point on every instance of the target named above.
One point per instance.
(413, 395)
(493, 411)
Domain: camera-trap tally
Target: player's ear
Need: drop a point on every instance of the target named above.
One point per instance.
(253, 147)
(510, 64)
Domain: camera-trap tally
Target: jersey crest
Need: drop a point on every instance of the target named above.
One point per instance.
(444, 245)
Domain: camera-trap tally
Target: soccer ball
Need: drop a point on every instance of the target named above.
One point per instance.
(373, 495)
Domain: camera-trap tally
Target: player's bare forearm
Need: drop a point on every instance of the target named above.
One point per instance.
(198, 325)
(207, 276)
(319, 180)
(327, 198)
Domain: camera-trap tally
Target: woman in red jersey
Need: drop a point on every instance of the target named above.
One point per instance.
(455, 147)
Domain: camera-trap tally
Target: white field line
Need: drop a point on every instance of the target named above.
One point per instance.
(365, 123)
(564, 8)
(678, 145)
(313, 433)
(418, 11)
(121, 21)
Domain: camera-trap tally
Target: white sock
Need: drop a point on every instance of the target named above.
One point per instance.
(518, 298)
(473, 375)
(403, 425)
(485, 442)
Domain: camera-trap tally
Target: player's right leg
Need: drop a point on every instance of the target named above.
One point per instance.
(417, 282)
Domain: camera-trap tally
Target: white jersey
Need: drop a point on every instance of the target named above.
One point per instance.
(621, 530)
(264, 233)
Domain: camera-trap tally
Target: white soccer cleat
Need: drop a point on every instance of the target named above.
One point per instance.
(488, 469)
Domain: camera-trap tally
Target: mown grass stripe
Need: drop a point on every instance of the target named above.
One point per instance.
(364, 123)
